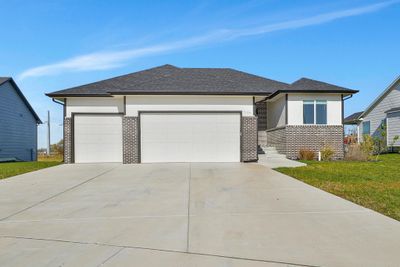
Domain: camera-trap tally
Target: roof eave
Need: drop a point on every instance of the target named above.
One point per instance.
(111, 94)
(192, 93)
(348, 92)
(52, 95)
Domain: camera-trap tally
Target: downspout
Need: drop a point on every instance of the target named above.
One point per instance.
(343, 99)
(64, 113)
(255, 114)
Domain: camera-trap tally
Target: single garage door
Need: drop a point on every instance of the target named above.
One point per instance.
(97, 138)
(190, 137)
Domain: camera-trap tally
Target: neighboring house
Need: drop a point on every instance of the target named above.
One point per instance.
(384, 110)
(171, 114)
(18, 124)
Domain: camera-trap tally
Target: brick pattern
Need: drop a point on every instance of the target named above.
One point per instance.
(261, 116)
(249, 139)
(130, 133)
(68, 140)
(277, 138)
(314, 137)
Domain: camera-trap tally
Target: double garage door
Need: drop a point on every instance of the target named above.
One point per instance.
(164, 137)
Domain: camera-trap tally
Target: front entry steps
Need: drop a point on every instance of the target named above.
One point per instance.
(271, 152)
(272, 159)
(262, 142)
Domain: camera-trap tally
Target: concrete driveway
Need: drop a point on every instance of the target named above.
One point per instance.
(184, 215)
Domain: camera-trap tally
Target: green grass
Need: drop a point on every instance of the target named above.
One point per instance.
(14, 168)
(375, 185)
(57, 157)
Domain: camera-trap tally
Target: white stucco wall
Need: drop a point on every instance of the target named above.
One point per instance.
(276, 112)
(190, 103)
(94, 105)
(295, 107)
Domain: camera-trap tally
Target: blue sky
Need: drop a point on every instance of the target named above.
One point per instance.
(52, 45)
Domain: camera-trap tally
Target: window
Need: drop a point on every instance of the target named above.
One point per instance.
(308, 112)
(321, 112)
(315, 112)
(366, 125)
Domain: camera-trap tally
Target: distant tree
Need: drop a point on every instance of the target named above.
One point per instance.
(57, 148)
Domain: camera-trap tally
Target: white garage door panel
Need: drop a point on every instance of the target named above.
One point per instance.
(190, 137)
(98, 138)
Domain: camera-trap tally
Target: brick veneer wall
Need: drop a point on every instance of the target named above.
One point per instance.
(67, 140)
(249, 139)
(277, 138)
(130, 133)
(314, 137)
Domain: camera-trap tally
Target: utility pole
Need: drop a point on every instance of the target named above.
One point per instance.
(48, 133)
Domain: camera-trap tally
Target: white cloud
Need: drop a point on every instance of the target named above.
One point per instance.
(113, 59)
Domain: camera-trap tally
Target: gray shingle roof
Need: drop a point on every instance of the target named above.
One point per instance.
(168, 79)
(313, 85)
(352, 118)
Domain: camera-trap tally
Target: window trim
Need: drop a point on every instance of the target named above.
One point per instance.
(369, 127)
(314, 103)
(309, 103)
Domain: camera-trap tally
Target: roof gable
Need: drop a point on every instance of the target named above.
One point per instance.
(21, 95)
(381, 96)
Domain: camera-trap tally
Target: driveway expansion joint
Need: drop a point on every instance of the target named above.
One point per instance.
(112, 256)
(157, 249)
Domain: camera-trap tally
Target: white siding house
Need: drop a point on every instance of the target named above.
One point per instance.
(384, 110)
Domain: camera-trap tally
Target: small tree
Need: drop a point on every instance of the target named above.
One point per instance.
(367, 146)
(380, 140)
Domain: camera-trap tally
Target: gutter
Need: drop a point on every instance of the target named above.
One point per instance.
(312, 91)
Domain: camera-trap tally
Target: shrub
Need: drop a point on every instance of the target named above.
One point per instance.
(306, 154)
(368, 146)
(327, 153)
(356, 153)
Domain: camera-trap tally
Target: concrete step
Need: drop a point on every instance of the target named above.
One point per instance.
(269, 149)
(274, 156)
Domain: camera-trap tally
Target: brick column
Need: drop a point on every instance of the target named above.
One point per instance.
(249, 139)
(67, 140)
(130, 133)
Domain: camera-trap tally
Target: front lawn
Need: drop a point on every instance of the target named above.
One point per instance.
(375, 185)
(9, 169)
